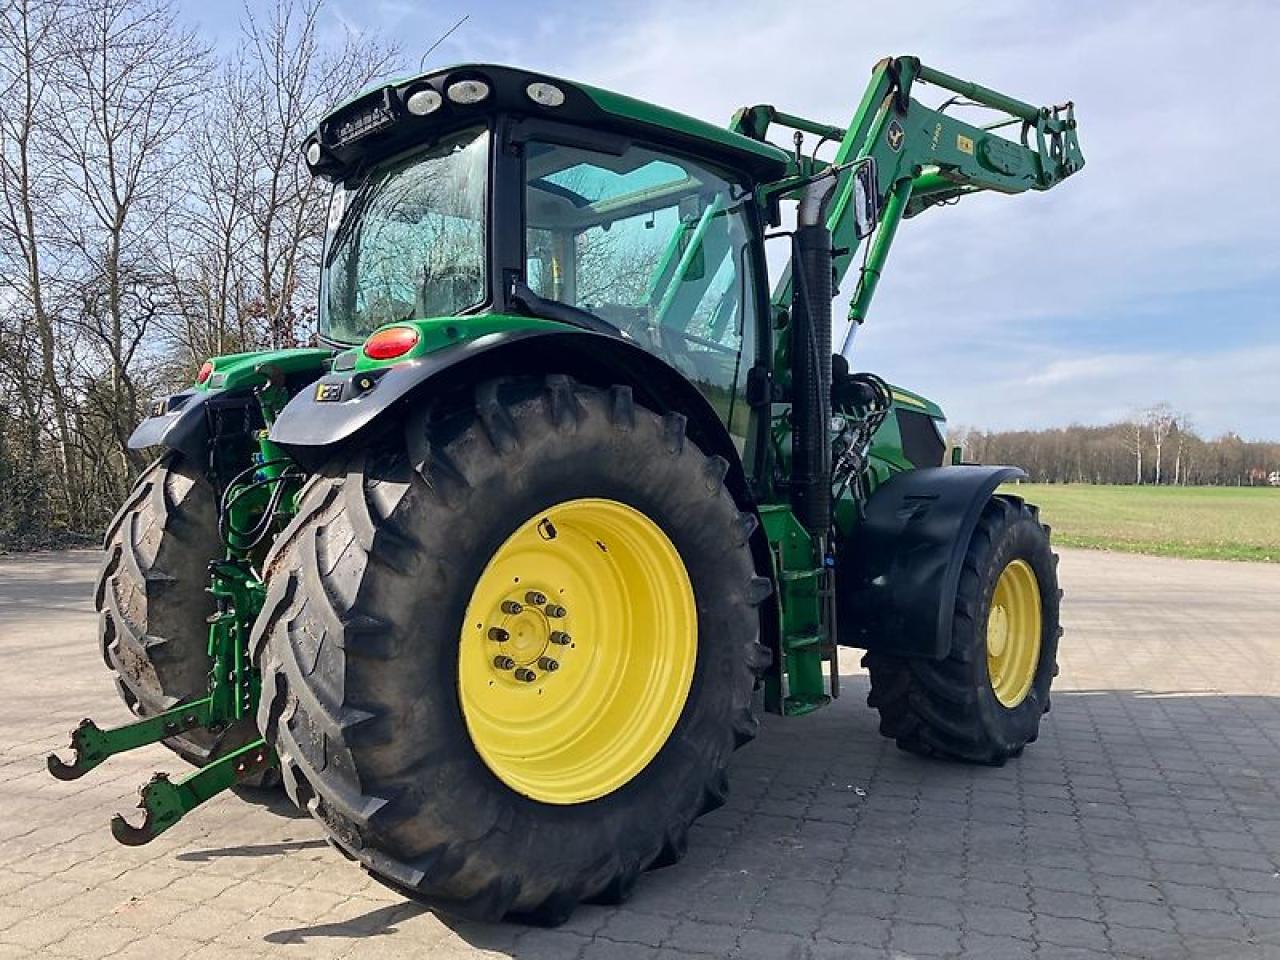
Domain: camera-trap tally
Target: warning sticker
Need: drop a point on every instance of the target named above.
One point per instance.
(964, 144)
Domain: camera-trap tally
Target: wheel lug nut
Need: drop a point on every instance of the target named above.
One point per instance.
(547, 664)
(560, 637)
(511, 606)
(555, 610)
(504, 663)
(498, 635)
(525, 675)
(535, 597)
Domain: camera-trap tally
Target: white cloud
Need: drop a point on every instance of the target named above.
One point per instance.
(1177, 108)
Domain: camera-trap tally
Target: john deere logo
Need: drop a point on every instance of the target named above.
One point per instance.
(895, 136)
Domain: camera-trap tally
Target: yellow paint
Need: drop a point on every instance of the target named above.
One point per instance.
(606, 575)
(1013, 633)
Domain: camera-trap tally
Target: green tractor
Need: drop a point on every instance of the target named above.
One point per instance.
(497, 576)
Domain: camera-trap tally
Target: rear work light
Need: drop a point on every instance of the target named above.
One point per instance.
(391, 343)
(206, 371)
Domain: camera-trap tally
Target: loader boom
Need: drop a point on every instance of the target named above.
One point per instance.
(923, 156)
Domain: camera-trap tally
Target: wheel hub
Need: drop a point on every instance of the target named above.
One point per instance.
(577, 651)
(524, 637)
(1013, 633)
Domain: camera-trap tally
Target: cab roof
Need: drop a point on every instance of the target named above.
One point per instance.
(377, 123)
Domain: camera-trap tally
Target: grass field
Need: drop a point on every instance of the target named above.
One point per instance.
(1221, 523)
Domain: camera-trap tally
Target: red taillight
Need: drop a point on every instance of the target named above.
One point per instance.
(206, 371)
(390, 343)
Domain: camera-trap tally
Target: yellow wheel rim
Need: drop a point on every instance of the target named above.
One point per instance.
(1013, 633)
(577, 651)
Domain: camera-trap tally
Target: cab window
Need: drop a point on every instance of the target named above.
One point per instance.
(657, 245)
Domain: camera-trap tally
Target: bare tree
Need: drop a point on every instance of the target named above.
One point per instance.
(1135, 445)
(130, 82)
(290, 80)
(153, 211)
(1182, 427)
(1160, 421)
(28, 52)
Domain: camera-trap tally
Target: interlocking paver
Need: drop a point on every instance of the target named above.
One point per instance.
(1144, 823)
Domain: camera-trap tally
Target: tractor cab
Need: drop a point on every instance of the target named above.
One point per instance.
(476, 191)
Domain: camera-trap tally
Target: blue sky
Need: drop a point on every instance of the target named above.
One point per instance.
(1153, 275)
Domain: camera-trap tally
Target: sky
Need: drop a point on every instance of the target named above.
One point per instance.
(1151, 276)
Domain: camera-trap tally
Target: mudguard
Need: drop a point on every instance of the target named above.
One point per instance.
(342, 405)
(177, 422)
(898, 571)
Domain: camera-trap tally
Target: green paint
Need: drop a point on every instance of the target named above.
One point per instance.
(235, 370)
(801, 581)
(166, 802)
(437, 333)
(639, 111)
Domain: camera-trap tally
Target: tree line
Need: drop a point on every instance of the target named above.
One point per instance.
(153, 212)
(1157, 446)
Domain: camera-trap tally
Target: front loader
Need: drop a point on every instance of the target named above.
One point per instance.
(494, 578)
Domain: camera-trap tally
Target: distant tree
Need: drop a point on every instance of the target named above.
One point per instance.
(1135, 429)
(1159, 421)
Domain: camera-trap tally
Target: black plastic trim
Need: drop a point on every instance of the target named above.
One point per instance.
(183, 426)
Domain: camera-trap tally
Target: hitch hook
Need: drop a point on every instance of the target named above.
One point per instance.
(166, 802)
(83, 742)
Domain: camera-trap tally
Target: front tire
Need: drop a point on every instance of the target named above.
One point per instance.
(379, 629)
(983, 702)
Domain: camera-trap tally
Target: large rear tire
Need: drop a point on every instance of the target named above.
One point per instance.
(380, 624)
(983, 702)
(152, 602)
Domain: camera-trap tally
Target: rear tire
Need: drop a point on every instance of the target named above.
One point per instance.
(359, 642)
(152, 602)
(951, 707)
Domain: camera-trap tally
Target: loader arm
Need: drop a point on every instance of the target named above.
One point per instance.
(923, 156)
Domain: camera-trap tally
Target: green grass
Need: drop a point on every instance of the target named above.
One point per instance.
(1219, 523)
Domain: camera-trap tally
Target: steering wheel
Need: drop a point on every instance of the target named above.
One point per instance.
(635, 322)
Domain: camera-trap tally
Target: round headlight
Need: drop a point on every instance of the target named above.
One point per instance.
(545, 94)
(467, 91)
(313, 153)
(424, 101)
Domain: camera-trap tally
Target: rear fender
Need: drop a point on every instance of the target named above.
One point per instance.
(346, 407)
(899, 569)
(185, 420)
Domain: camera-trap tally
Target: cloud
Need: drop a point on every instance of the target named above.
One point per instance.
(1085, 369)
(1132, 267)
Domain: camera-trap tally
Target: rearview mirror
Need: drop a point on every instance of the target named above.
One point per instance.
(866, 200)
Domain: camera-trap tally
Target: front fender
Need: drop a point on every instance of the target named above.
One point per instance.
(899, 569)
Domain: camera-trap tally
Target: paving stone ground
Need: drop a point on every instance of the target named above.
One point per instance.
(1144, 823)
